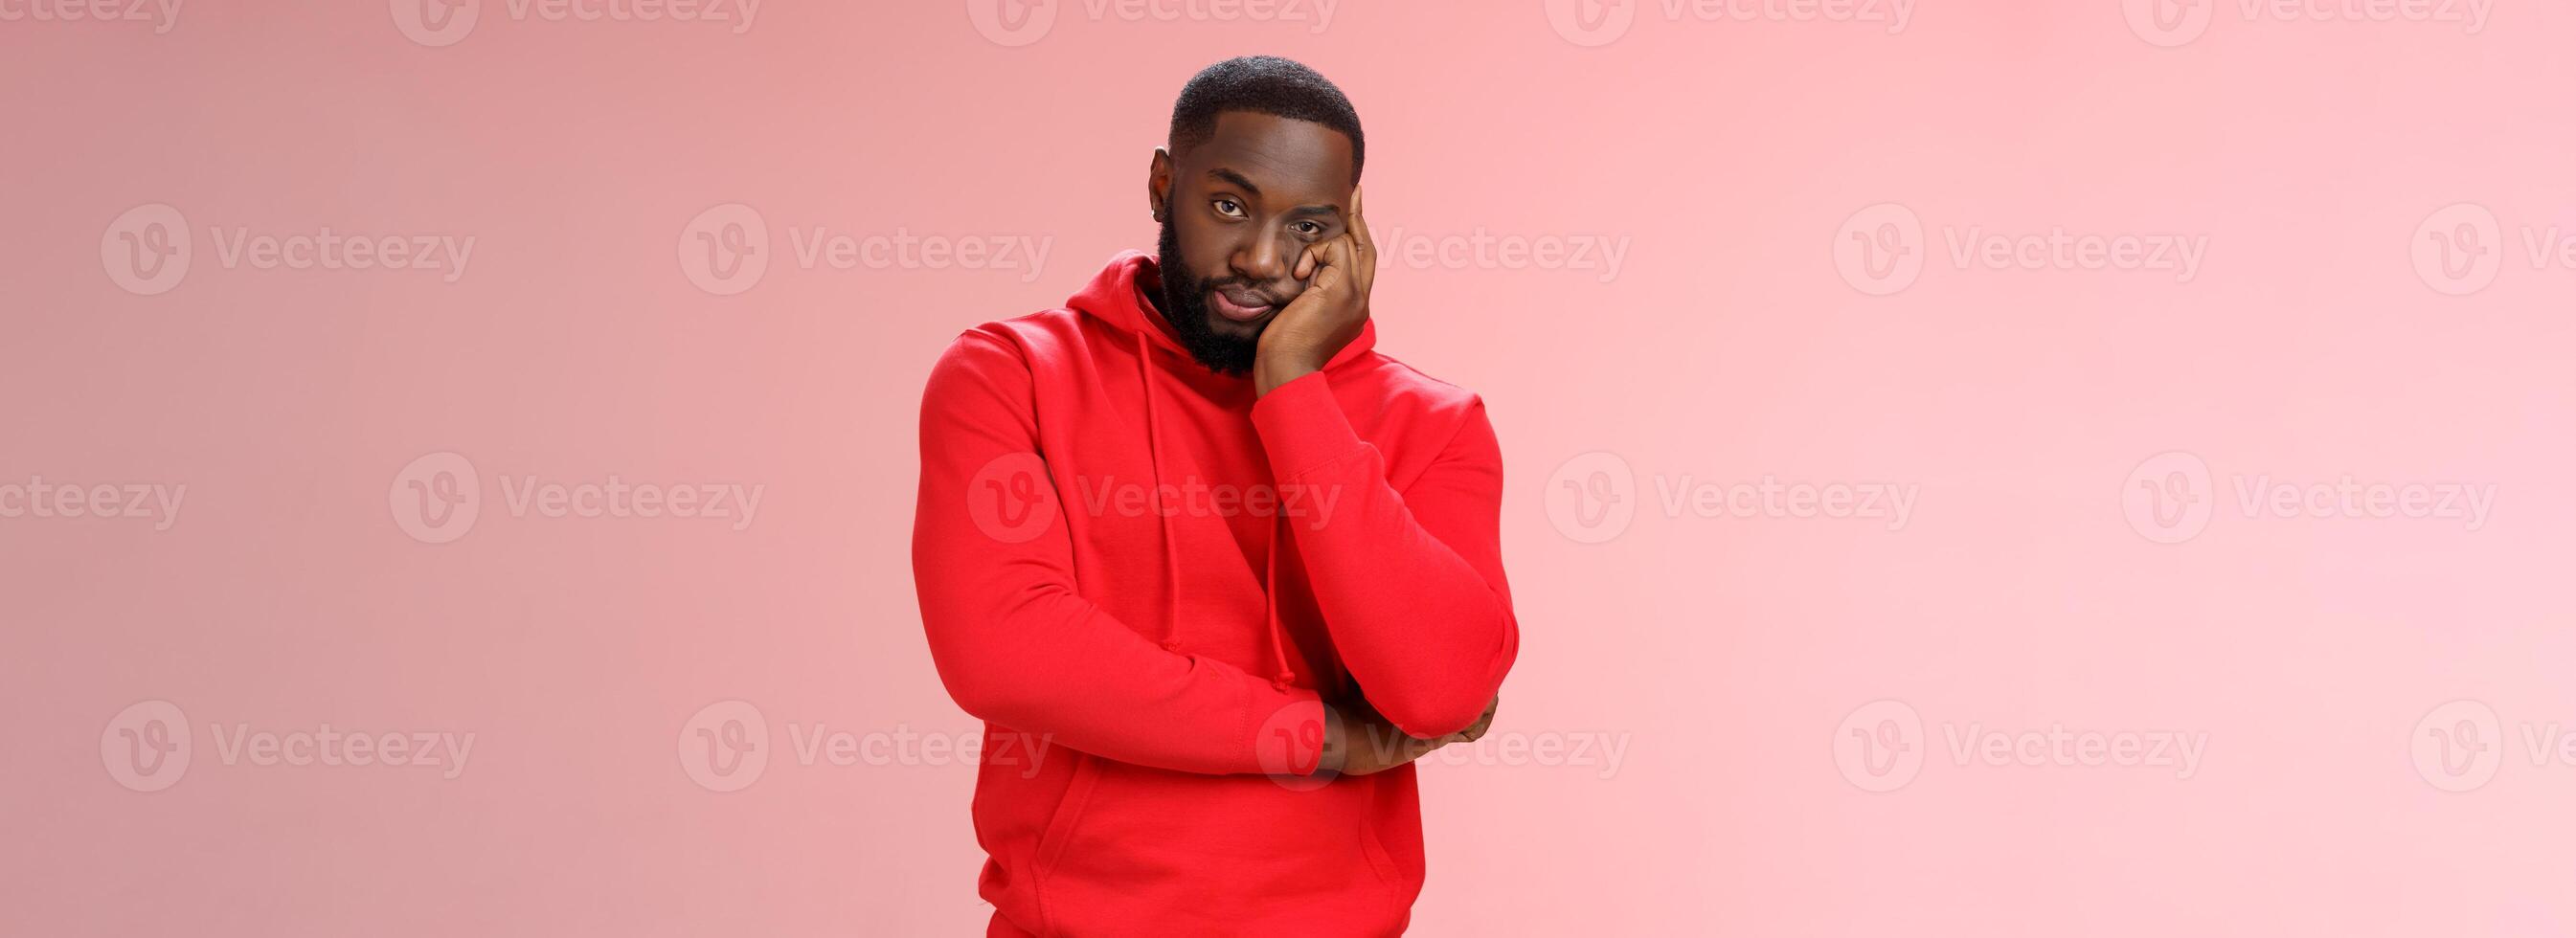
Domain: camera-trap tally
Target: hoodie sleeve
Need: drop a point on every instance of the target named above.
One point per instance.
(1411, 582)
(1014, 640)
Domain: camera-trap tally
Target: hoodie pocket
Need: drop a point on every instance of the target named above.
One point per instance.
(1215, 855)
(1068, 812)
(1397, 900)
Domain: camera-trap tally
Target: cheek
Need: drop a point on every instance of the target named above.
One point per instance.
(1209, 249)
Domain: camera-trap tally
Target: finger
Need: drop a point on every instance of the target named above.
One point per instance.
(1308, 258)
(1358, 223)
(1339, 257)
(1477, 730)
(1330, 270)
(1363, 245)
(1411, 751)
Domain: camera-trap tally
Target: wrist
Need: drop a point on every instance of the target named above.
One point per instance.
(1335, 753)
(1271, 371)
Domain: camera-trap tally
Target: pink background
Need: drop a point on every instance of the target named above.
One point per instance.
(2033, 584)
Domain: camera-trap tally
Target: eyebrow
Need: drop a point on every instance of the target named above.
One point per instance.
(1249, 189)
(1237, 179)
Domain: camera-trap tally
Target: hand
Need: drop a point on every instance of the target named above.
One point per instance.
(1328, 315)
(1358, 741)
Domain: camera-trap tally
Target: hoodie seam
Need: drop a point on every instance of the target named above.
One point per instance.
(1474, 404)
(1309, 472)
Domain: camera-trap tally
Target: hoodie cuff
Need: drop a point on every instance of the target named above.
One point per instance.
(1302, 427)
(1290, 740)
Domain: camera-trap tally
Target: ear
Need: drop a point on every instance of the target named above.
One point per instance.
(1158, 185)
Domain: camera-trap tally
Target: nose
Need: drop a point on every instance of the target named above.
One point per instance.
(1261, 258)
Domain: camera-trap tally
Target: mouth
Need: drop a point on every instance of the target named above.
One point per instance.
(1246, 307)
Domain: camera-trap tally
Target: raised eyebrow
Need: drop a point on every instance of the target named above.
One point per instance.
(1237, 179)
(1328, 211)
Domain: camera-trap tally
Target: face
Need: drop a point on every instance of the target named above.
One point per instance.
(1237, 211)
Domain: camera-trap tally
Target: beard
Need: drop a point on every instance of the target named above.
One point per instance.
(1185, 307)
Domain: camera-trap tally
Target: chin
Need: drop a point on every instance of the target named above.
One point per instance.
(1237, 330)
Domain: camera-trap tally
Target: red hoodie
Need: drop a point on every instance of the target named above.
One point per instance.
(1144, 581)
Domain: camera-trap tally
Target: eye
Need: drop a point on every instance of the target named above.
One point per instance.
(1308, 228)
(1229, 208)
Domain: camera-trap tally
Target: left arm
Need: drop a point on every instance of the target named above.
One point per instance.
(1410, 582)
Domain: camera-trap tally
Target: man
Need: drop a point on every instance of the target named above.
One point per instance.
(1159, 529)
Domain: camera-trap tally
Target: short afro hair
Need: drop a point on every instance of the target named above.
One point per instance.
(1263, 84)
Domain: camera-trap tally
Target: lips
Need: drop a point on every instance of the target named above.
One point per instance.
(1244, 307)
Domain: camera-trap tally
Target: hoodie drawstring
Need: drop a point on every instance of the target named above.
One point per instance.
(1171, 554)
(1270, 609)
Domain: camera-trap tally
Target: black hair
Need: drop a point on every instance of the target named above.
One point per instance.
(1263, 84)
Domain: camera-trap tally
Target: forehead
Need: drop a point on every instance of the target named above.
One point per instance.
(1289, 159)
